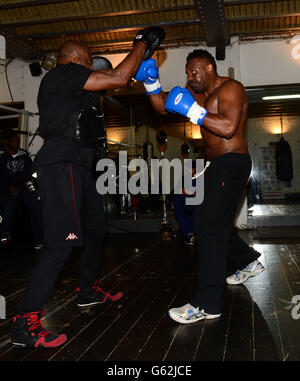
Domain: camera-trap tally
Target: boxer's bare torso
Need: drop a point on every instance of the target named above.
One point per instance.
(214, 144)
(226, 100)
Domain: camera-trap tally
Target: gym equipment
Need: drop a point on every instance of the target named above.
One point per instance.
(284, 160)
(165, 226)
(185, 148)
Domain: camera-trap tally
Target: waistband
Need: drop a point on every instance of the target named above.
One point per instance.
(231, 155)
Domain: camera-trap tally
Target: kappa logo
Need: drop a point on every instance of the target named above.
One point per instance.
(71, 236)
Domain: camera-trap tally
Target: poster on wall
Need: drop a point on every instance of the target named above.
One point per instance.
(270, 186)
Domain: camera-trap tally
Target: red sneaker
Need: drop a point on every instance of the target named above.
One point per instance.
(28, 331)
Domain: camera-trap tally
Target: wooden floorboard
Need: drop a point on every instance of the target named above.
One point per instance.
(213, 341)
(283, 293)
(158, 344)
(134, 340)
(239, 345)
(256, 322)
(121, 325)
(83, 326)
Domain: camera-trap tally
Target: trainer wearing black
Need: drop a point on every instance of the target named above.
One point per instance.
(72, 209)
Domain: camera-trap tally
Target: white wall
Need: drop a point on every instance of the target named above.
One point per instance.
(15, 75)
(172, 63)
(24, 88)
(262, 131)
(270, 63)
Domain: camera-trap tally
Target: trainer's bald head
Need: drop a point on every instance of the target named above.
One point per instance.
(73, 51)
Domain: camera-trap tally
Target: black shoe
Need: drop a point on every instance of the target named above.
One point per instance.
(38, 247)
(95, 296)
(190, 239)
(28, 331)
(4, 239)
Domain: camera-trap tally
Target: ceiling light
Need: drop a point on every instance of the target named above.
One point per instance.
(292, 96)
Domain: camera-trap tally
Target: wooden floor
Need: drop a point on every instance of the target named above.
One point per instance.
(256, 322)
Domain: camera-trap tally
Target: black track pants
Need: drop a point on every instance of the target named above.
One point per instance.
(73, 215)
(224, 183)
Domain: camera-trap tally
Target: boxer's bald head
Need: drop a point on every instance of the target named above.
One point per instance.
(73, 51)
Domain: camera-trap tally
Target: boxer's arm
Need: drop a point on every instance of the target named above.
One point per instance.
(158, 102)
(120, 75)
(148, 74)
(231, 100)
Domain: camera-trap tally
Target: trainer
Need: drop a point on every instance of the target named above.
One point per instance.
(72, 209)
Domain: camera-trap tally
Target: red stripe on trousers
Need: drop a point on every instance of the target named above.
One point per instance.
(75, 207)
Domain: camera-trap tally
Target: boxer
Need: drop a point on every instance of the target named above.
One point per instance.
(218, 105)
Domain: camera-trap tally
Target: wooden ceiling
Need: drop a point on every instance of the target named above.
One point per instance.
(34, 28)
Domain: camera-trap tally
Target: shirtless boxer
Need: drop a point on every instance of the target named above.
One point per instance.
(219, 105)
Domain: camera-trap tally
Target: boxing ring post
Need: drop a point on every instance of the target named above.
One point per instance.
(23, 123)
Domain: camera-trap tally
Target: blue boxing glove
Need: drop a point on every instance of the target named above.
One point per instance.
(181, 100)
(148, 74)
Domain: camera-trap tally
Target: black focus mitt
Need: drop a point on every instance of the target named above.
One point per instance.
(152, 37)
(101, 63)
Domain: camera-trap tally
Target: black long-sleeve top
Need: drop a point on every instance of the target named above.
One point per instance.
(15, 170)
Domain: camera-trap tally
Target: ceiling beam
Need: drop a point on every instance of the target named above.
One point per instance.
(126, 28)
(33, 3)
(128, 13)
(245, 2)
(265, 32)
(98, 16)
(213, 21)
(264, 17)
(18, 48)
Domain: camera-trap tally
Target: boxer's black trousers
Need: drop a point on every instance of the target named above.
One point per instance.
(224, 182)
(73, 216)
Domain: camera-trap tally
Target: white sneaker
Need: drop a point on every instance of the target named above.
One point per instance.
(240, 276)
(188, 314)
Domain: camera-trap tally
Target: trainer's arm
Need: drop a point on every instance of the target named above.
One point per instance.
(120, 75)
